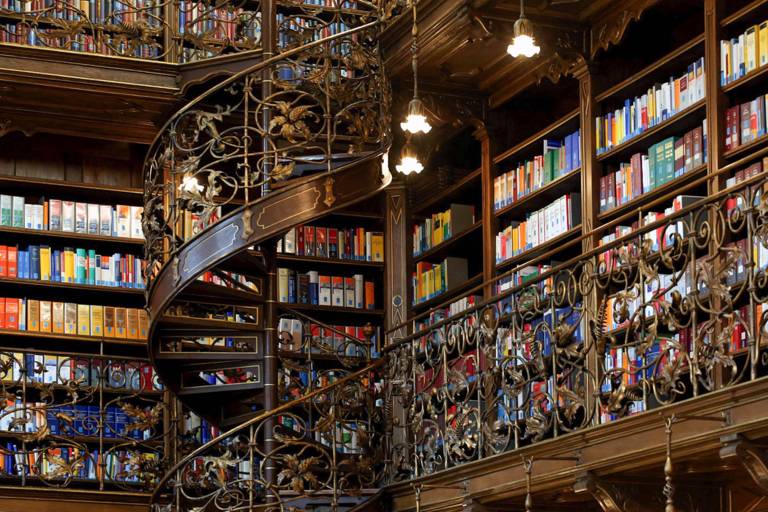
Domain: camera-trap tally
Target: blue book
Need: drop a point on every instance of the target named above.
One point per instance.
(121, 422)
(91, 276)
(34, 262)
(56, 266)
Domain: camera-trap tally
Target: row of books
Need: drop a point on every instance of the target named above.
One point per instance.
(744, 54)
(34, 315)
(61, 369)
(227, 279)
(337, 291)
(72, 265)
(22, 33)
(525, 275)
(193, 223)
(344, 437)
(95, 11)
(198, 429)
(746, 122)
(217, 23)
(557, 158)
(742, 251)
(663, 162)
(87, 420)
(309, 337)
(333, 243)
(562, 215)
(84, 465)
(293, 30)
(441, 226)
(538, 331)
(661, 102)
(741, 176)
(294, 382)
(70, 216)
(243, 375)
(433, 279)
(438, 315)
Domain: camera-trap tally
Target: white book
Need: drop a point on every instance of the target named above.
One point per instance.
(282, 285)
(289, 242)
(29, 215)
(67, 216)
(136, 228)
(105, 220)
(81, 218)
(93, 221)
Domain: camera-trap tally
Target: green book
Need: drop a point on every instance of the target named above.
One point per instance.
(652, 167)
(5, 210)
(669, 159)
(80, 266)
(661, 172)
(17, 214)
(91, 266)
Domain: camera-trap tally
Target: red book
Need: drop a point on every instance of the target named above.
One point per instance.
(370, 296)
(3, 261)
(333, 243)
(146, 377)
(12, 314)
(602, 194)
(309, 241)
(13, 258)
(321, 245)
(2, 313)
(300, 240)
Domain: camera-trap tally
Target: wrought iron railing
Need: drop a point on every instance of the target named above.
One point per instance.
(663, 311)
(337, 456)
(77, 420)
(178, 31)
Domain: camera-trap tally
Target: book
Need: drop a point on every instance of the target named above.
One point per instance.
(17, 212)
(70, 318)
(337, 293)
(136, 227)
(33, 315)
(123, 221)
(57, 315)
(325, 292)
(109, 322)
(83, 320)
(97, 320)
(81, 218)
(93, 219)
(121, 319)
(132, 323)
(46, 319)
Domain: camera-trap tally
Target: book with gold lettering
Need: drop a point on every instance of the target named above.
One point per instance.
(97, 321)
(83, 320)
(46, 323)
(57, 317)
(120, 323)
(109, 322)
(143, 324)
(132, 323)
(33, 315)
(70, 318)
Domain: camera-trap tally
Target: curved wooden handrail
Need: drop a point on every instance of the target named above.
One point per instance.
(259, 418)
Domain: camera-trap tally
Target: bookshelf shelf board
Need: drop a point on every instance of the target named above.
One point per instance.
(742, 150)
(112, 441)
(209, 293)
(92, 190)
(332, 310)
(755, 78)
(180, 325)
(668, 61)
(314, 260)
(133, 294)
(637, 202)
(742, 13)
(568, 182)
(540, 249)
(8, 334)
(537, 137)
(106, 390)
(443, 249)
(76, 237)
(453, 193)
(677, 124)
(448, 294)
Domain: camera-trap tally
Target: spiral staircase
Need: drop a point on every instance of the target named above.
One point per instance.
(299, 134)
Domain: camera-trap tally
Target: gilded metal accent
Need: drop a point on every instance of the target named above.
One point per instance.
(330, 199)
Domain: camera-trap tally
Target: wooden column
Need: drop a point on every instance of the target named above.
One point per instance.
(716, 100)
(271, 361)
(397, 250)
(487, 214)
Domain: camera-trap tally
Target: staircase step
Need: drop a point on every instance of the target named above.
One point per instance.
(224, 388)
(191, 326)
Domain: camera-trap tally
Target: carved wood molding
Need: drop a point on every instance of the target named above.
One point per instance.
(611, 30)
(7, 126)
(610, 497)
(752, 458)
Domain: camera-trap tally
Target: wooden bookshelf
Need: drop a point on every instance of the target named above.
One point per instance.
(745, 149)
(454, 193)
(331, 262)
(754, 78)
(450, 294)
(77, 238)
(537, 137)
(446, 247)
(745, 12)
(552, 190)
(335, 311)
(676, 124)
(534, 252)
(657, 192)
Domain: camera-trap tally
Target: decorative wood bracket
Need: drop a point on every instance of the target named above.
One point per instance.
(610, 31)
(610, 497)
(752, 458)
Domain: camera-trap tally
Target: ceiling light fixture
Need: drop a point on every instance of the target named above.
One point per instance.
(523, 43)
(416, 119)
(409, 160)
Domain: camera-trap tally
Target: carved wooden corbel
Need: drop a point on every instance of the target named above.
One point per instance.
(610, 31)
(609, 496)
(752, 458)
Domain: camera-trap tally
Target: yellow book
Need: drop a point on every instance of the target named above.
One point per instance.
(750, 49)
(109, 322)
(83, 320)
(70, 318)
(132, 323)
(430, 283)
(377, 242)
(762, 43)
(438, 279)
(57, 317)
(69, 266)
(120, 323)
(33, 315)
(143, 324)
(46, 323)
(97, 321)
(45, 263)
(447, 229)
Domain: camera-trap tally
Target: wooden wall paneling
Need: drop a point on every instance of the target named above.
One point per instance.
(397, 251)
(716, 101)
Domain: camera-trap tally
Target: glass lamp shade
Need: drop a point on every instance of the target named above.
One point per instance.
(523, 42)
(409, 161)
(416, 120)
